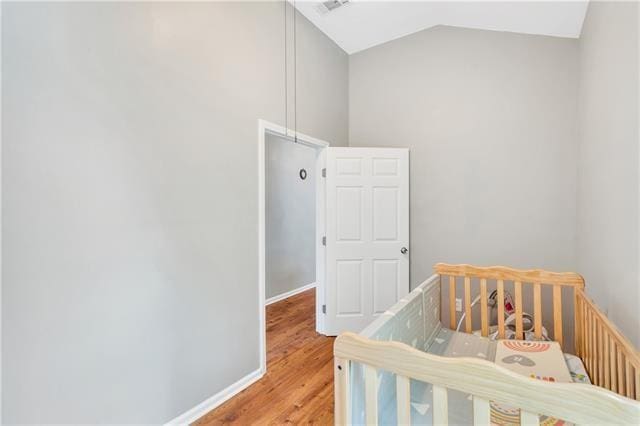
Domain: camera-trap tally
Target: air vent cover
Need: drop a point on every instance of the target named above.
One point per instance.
(329, 5)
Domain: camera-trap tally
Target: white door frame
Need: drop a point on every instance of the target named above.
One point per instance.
(264, 128)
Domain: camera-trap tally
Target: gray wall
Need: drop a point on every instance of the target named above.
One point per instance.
(130, 187)
(607, 216)
(130, 199)
(489, 118)
(290, 216)
(322, 71)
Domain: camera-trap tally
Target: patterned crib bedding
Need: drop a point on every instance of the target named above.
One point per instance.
(415, 321)
(454, 344)
(577, 369)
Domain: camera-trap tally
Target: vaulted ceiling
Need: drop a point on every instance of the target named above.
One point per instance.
(360, 24)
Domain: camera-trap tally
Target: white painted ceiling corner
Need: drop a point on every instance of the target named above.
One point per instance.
(360, 24)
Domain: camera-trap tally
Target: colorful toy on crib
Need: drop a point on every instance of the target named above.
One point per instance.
(509, 321)
(546, 379)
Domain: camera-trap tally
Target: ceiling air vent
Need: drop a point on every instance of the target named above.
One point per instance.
(329, 5)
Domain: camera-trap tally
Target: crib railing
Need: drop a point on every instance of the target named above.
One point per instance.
(485, 381)
(610, 359)
(536, 278)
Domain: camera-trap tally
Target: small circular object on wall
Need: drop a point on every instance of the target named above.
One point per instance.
(303, 174)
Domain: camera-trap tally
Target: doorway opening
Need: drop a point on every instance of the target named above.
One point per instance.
(291, 198)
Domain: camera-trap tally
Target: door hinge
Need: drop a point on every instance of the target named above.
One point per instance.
(324, 241)
(324, 172)
(324, 309)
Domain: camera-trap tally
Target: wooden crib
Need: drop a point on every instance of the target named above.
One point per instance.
(611, 361)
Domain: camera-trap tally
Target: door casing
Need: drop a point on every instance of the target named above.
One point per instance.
(264, 128)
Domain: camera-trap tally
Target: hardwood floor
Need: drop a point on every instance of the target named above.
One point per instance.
(298, 386)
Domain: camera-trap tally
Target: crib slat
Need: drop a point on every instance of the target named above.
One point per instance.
(603, 360)
(537, 310)
(403, 399)
(583, 329)
(467, 304)
(529, 419)
(452, 302)
(585, 342)
(607, 346)
(481, 412)
(612, 363)
(440, 407)
(371, 394)
(483, 307)
(580, 331)
(594, 364)
(342, 394)
(637, 389)
(577, 325)
(518, 295)
(557, 314)
(586, 336)
(604, 357)
(585, 332)
(500, 289)
(620, 370)
(600, 354)
(590, 347)
(628, 378)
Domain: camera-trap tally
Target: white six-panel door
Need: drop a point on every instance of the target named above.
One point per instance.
(367, 234)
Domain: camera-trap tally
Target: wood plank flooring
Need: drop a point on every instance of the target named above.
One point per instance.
(298, 386)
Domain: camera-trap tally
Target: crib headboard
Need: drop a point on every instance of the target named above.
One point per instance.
(609, 357)
(533, 278)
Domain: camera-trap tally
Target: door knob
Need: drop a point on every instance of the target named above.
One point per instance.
(403, 250)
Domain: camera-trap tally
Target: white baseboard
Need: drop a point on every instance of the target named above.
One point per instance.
(209, 404)
(218, 399)
(293, 292)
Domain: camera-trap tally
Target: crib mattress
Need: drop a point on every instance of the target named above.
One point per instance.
(454, 344)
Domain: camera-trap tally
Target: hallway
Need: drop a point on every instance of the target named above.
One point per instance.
(298, 385)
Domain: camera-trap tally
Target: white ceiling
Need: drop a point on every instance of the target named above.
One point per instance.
(361, 24)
